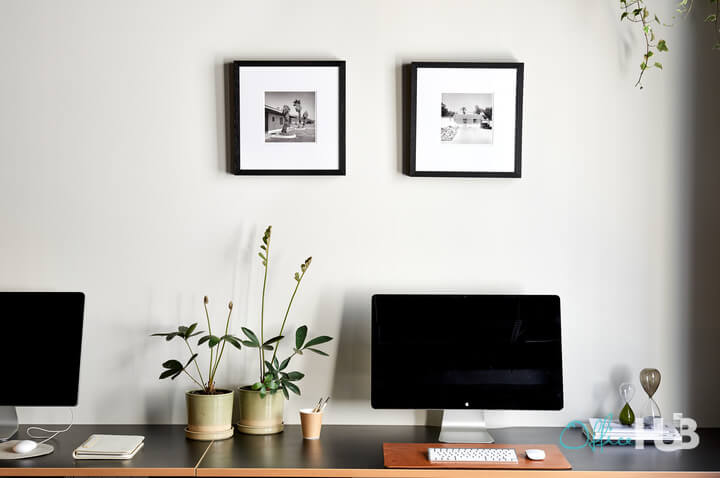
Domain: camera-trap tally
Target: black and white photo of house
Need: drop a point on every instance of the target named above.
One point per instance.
(466, 118)
(290, 117)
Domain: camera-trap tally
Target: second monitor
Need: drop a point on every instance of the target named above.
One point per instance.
(466, 352)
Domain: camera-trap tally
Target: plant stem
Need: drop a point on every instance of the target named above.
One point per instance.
(262, 313)
(195, 361)
(222, 350)
(207, 316)
(647, 52)
(282, 327)
(193, 379)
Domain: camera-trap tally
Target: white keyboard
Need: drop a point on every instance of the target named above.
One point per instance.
(472, 455)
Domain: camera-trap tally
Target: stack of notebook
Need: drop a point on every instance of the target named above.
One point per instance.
(109, 447)
(602, 429)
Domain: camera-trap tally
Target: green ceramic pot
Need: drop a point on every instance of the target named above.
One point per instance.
(209, 416)
(258, 415)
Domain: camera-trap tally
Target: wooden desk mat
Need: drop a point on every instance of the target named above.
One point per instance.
(415, 455)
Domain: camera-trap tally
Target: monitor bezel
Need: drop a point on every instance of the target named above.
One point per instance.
(33, 396)
(378, 398)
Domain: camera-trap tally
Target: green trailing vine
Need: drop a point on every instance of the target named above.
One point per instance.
(637, 12)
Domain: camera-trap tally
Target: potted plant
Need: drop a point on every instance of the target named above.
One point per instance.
(261, 404)
(209, 409)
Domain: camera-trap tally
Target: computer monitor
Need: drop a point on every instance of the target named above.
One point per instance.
(466, 352)
(42, 337)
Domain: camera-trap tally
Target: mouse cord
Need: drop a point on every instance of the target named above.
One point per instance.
(55, 433)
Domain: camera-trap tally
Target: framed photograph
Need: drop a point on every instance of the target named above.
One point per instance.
(465, 119)
(288, 117)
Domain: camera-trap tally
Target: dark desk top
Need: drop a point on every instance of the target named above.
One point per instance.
(342, 451)
(357, 451)
(166, 453)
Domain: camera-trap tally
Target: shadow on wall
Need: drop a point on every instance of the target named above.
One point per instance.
(703, 256)
(351, 382)
(352, 365)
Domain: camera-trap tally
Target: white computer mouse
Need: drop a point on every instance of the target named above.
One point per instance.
(24, 446)
(535, 454)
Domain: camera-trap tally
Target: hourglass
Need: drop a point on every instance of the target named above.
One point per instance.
(650, 381)
(627, 392)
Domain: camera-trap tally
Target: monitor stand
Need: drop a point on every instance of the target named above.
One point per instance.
(8, 423)
(464, 426)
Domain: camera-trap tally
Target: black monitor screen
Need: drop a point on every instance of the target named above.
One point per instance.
(41, 339)
(466, 351)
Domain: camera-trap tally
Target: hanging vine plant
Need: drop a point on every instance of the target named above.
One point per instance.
(637, 12)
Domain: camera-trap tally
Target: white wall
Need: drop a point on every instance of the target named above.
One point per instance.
(113, 182)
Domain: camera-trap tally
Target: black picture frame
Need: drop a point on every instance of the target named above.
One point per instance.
(234, 89)
(411, 102)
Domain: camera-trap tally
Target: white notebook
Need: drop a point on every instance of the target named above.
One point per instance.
(109, 447)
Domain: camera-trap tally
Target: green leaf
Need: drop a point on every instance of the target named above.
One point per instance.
(262, 256)
(295, 376)
(292, 387)
(320, 352)
(172, 364)
(273, 385)
(267, 347)
(251, 335)
(711, 18)
(257, 385)
(203, 339)
(190, 330)
(284, 364)
(643, 66)
(182, 330)
(317, 341)
(190, 361)
(263, 392)
(623, 16)
(297, 277)
(248, 343)
(716, 46)
(214, 340)
(662, 46)
(277, 338)
(658, 65)
(234, 341)
(298, 351)
(167, 373)
(276, 364)
(300, 335)
(269, 366)
(285, 392)
(161, 334)
(171, 336)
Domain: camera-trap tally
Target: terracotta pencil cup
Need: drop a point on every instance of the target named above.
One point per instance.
(311, 423)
